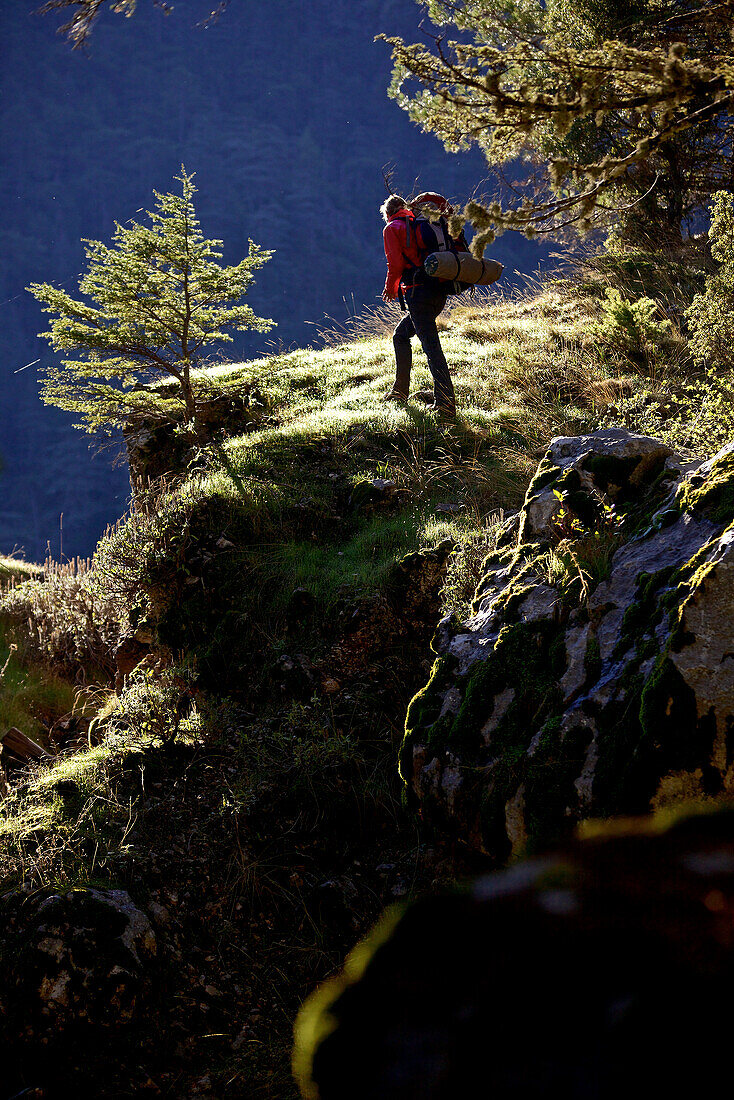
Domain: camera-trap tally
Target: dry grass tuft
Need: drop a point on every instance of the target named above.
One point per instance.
(372, 322)
(60, 619)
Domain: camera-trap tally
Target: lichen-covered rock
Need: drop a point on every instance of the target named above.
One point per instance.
(578, 468)
(73, 963)
(597, 972)
(600, 689)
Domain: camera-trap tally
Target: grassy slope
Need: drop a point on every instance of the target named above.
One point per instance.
(522, 373)
(271, 834)
(32, 695)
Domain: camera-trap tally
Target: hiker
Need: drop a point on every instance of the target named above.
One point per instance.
(424, 299)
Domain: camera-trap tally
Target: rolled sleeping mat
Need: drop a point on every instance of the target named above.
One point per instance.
(462, 267)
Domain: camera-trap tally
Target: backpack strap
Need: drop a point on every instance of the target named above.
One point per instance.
(411, 265)
(447, 242)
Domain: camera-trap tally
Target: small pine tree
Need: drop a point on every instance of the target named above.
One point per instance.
(711, 314)
(159, 301)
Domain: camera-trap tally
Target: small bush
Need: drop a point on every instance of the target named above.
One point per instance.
(577, 566)
(698, 418)
(670, 275)
(630, 327)
(711, 314)
(157, 704)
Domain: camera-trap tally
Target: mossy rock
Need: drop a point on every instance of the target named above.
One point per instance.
(710, 491)
(542, 712)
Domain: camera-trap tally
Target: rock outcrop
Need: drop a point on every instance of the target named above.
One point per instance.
(160, 447)
(75, 964)
(596, 675)
(596, 972)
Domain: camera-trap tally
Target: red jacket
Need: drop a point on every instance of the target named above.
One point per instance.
(394, 235)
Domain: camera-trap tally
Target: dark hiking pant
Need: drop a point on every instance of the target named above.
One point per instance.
(424, 305)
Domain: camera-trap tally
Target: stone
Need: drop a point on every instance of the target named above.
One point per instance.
(596, 971)
(295, 676)
(550, 705)
(75, 963)
(611, 461)
(368, 495)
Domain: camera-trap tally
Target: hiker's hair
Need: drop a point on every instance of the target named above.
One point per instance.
(391, 206)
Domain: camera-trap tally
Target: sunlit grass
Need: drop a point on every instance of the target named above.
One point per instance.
(65, 820)
(14, 570)
(523, 371)
(221, 548)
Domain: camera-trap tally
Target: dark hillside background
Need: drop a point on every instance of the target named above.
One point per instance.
(280, 109)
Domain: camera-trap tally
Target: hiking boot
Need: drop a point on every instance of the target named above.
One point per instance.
(426, 396)
(393, 395)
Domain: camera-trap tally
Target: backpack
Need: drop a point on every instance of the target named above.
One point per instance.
(433, 236)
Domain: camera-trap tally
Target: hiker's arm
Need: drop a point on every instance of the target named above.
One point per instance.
(395, 262)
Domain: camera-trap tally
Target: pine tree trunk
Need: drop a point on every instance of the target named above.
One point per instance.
(188, 392)
(189, 399)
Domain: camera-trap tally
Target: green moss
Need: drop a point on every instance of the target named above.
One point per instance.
(546, 474)
(653, 731)
(510, 601)
(592, 661)
(663, 592)
(521, 659)
(530, 658)
(645, 611)
(673, 738)
(423, 712)
(654, 727)
(549, 781)
(567, 482)
(712, 494)
(521, 556)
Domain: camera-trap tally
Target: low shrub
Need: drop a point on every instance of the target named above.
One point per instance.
(156, 705)
(631, 327)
